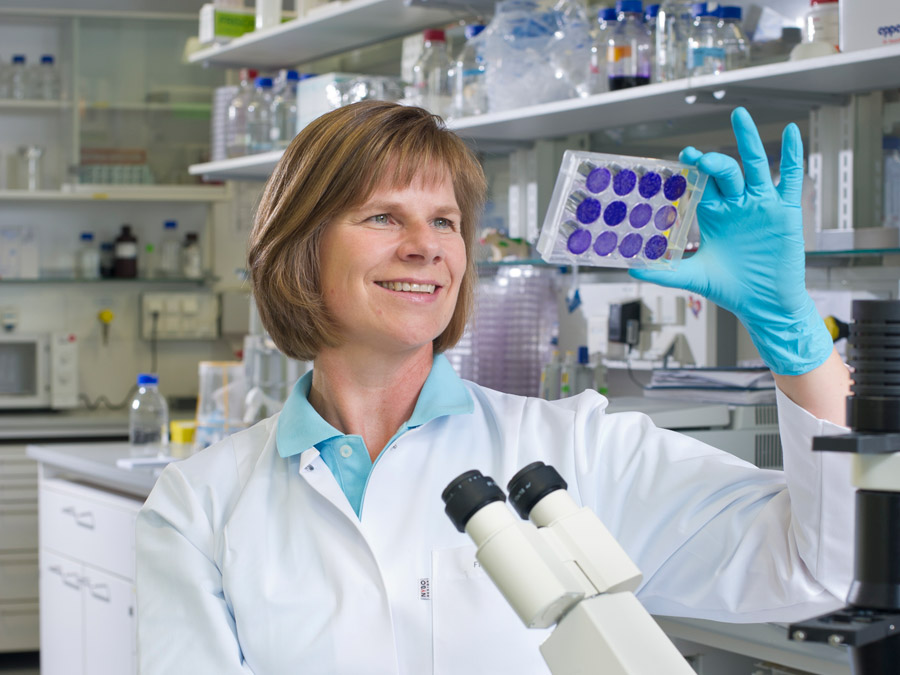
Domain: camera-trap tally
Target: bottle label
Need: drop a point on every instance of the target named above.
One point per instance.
(618, 53)
(702, 55)
(126, 250)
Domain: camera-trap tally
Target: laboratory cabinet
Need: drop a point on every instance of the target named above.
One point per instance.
(88, 612)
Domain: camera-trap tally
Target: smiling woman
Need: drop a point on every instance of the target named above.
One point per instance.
(330, 171)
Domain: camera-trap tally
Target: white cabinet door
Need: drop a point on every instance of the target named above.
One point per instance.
(109, 625)
(61, 615)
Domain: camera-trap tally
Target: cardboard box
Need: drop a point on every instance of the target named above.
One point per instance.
(221, 25)
(869, 23)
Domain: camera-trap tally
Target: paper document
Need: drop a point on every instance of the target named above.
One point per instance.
(741, 386)
(144, 462)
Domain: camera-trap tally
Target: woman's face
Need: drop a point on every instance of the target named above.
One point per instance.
(391, 268)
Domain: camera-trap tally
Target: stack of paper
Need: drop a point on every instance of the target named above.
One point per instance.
(714, 385)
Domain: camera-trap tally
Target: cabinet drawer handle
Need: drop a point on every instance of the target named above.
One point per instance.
(85, 520)
(56, 569)
(72, 580)
(101, 592)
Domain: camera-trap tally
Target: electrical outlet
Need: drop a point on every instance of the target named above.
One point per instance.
(179, 316)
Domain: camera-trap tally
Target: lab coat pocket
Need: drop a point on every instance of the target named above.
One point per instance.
(475, 630)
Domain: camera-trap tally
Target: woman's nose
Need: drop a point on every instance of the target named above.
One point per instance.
(421, 241)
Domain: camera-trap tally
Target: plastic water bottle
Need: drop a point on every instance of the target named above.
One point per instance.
(284, 111)
(47, 82)
(170, 250)
(236, 143)
(19, 78)
(628, 52)
(706, 55)
(88, 258)
(467, 77)
(673, 25)
(732, 38)
(148, 419)
(259, 116)
(431, 72)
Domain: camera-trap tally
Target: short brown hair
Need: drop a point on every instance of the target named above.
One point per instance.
(335, 164)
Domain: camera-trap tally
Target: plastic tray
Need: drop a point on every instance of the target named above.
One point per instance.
(620, 211)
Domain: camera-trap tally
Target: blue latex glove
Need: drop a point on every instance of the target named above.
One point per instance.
(751, 259)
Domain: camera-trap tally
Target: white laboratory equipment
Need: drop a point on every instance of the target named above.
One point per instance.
(562, 569)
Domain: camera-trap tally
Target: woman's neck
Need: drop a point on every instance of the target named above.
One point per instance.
(366, 394)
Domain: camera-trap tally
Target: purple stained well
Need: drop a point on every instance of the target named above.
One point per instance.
(640, 215)
(631, 244)
(588, 211)
(650, 184)
(615, 213)
(624, 182)
(605, 243)
(597, 180)
(656, 246)
(665, 217)
(674, 187)
(579, 241)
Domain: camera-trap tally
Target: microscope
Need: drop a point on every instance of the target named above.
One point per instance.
(562, 568)
(870, 624)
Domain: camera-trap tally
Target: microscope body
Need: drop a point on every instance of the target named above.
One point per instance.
(563, 568)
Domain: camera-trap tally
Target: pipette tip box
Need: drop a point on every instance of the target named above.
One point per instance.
(620, 211)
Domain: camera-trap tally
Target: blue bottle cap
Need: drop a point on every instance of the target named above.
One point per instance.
(87, 236)
(147, 378)
(47, 58)
(170, 224)
(292, 76)
(651, 12)
(306, 76)
(730, 12)
(264, 82)
(699, 9)
(632, 6)
(607, 14)
(473, 30)
(890, 143)
(18, 58)
(583, 356)
(107, 246)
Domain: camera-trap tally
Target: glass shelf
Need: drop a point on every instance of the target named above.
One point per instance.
(112, 280)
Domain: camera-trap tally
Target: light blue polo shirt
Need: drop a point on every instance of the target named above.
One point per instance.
(300, 427)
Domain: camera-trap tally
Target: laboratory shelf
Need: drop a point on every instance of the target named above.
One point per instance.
(250, 167)
(33, 105)
(799, 85)
(177, 108)
(331, 29)
(121, 193)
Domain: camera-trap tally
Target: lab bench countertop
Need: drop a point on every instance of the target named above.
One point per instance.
(95, 464)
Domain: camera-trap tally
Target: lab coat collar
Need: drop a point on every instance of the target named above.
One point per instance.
(300, 427)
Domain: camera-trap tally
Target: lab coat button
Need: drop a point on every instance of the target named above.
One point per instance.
(346, 451)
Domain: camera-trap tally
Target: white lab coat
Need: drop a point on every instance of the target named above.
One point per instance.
(249, 562)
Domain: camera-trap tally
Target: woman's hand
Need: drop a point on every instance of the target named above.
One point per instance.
(751, 259)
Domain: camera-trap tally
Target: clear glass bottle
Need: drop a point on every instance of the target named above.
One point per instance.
(705, 55)
(628, 50)
(236, 142)
(47, 81)
(19, 78)
(431, 86)
(650, 14)
(170, 250)
(467, 77)
(732, 37)
(606, 20)
(259, 117)
(284, 111)
(148, 419)
(88, 259)
(673, 25)
(191, 257)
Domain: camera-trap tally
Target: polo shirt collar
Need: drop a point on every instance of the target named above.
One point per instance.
(300, 427)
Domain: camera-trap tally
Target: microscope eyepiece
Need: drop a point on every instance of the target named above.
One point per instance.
(467, 494)
(531, 484)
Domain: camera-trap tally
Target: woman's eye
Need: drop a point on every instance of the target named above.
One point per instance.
(443, 224)
(381, 219)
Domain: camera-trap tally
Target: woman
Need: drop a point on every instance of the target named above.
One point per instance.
(315, 542)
